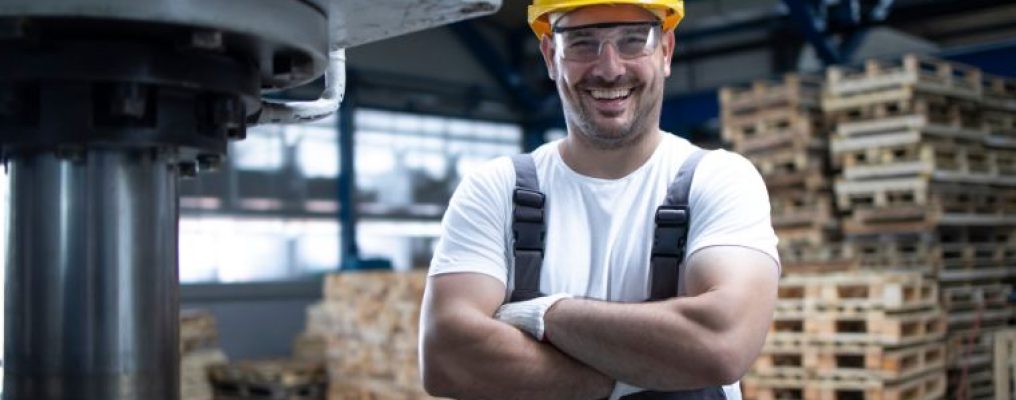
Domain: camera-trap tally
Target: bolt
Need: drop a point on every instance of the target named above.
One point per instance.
(129, 100)
(209, 162)
(187, 169)
(207, 40)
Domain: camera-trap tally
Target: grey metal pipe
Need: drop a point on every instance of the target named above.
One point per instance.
(92, 289)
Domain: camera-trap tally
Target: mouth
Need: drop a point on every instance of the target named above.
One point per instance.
(611, 101)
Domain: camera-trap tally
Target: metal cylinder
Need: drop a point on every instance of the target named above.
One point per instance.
(92, 289)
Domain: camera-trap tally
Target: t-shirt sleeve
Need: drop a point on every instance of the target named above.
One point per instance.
(474, 227)
(730, 206)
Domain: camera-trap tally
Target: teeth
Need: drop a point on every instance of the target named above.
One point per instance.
(610, 94)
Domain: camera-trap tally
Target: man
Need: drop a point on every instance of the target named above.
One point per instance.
(594, 335)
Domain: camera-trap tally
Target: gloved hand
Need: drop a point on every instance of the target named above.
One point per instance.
(622, 389)
(528, 315)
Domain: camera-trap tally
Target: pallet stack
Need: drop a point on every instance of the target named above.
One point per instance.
(872, 336)
(929, 185)
(366, 330)
(199, 349)
(780, 127)
(269, 380)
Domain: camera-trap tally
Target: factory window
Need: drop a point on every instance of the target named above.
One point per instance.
(271, 213)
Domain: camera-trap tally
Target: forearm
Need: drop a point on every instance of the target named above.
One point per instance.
(475, 357)
(678, 344)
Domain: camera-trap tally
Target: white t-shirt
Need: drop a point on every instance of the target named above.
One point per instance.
(600, 231)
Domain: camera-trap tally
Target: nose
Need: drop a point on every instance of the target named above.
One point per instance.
(608, 65)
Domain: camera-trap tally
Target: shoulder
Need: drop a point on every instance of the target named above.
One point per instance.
(723, 173)
(490, 177)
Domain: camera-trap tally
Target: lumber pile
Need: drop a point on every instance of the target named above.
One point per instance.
(199, 348)
(780, 127)
(920, 174)
(365, 331)
(926, 151)
(864, 335)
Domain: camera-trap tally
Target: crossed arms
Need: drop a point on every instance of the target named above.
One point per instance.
(708, 338)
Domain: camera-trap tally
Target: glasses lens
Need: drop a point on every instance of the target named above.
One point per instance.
(630, 40)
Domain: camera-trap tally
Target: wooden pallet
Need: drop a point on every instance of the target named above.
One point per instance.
(872, 327)
(998, 92)
(269, 379)
(793, 91)
(1005, 364)
(955, 247)
(197, 331)
(859, 362)
(932, 115)
(862, 362)
(910, 72)
(975, 383)
(826, 257)
(876, 327)
(859, 291)
(927, 387)
(971, 297)
(912, 204)
(774, 129)
(910, 154)
(802, 208)
(788, 161)
(970, 348)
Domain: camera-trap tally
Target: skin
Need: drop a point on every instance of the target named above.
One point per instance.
(707, 338)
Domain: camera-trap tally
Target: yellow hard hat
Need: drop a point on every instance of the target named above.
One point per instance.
(540, 10)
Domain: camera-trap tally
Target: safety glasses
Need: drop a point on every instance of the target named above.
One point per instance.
(585, 43)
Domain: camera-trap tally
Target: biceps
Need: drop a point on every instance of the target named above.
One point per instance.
(738, 285)
(454, 296)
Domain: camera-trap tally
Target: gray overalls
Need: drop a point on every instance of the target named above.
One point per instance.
(669, 240)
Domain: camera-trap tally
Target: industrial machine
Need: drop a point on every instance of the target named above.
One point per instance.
(104, 105)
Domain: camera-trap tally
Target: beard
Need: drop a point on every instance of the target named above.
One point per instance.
(645, 115)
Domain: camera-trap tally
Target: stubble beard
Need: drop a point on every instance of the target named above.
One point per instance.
(645, 117)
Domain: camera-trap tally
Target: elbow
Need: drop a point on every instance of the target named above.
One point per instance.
(434, 374)
(727, 366)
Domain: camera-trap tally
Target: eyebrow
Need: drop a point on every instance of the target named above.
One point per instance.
(559, 29)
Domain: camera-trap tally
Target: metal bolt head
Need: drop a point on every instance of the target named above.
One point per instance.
(129, 100)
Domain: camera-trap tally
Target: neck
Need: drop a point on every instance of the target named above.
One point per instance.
(595, 162)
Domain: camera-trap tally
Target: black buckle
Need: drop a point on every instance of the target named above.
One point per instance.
(671, 231)
(528, 198)
(672, 216)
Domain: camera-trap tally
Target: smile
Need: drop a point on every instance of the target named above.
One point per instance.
(610, 94)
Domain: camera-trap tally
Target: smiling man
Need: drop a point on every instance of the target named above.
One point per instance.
(619, 262)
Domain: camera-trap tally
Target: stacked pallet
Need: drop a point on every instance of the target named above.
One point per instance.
(870, 335)
(199, 349)
(928, 180)
(780, 127)
(269, 380)
(366, 332)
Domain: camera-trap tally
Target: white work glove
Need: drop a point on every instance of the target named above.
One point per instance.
(528, 315)
(622, 389)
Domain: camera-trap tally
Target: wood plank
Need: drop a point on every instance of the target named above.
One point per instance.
(1005, 364)
(915, 71)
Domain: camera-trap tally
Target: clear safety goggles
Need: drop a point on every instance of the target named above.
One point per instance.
(585, 43)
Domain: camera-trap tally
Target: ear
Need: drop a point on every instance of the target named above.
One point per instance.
(668, 51)
(547, 49)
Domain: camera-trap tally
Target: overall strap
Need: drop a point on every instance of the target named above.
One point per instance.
(528, 229)
(671, 235)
